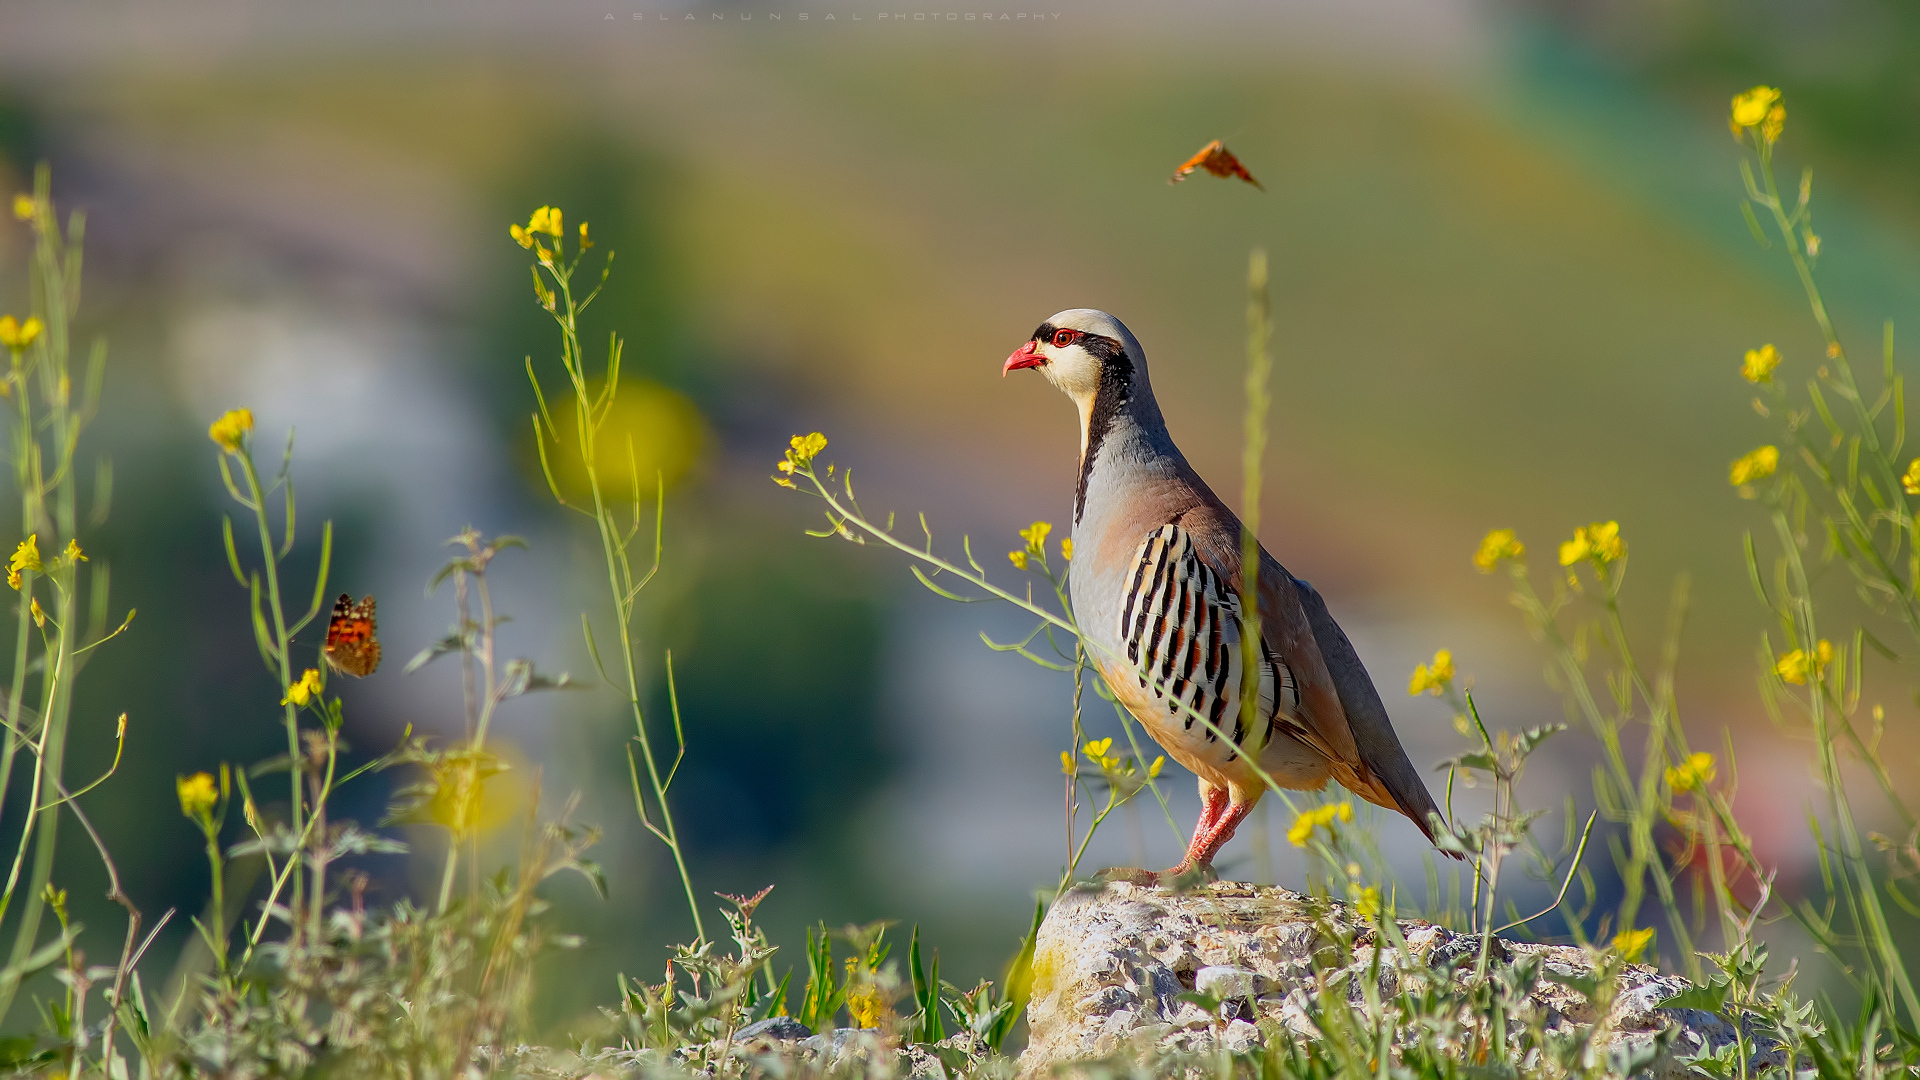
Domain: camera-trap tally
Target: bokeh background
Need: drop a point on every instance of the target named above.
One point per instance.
(1511, 285)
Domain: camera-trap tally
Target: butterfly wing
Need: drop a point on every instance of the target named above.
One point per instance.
(352, 646)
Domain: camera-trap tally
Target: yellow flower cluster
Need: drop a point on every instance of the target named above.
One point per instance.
(1036, 537)
(25, 557)
(1632, 944)
(1759, 107)
(1758, 366)
(1794, 667)
(1757, 465)
(1433, 678)
(544, 220)
(1317, 818)
(1098, 752)
(304, 689)
(1367, 904)
(1696, 772)
(801, 451)
(1598, 542)
(1066, 548)
(24, 207)
(1911, 481)
(17, 335)
(865, 1006)
(1497, 545)
(198, 795)
(230, 428)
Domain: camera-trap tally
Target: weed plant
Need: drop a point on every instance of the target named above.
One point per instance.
(292, 974)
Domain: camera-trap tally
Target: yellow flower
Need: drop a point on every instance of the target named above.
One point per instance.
(1753, 108)
(73, 554)
(545, 220)
(1433, 679)
(541, 250)
(1911, 481)
(1018, 559)
(23, 206)
(198, 795)
(802, 449)
(520, 236)
(1066, 548)
(584, 241)
(227, 430)
(1759, 364)
(1695, 772)
(18, 335)
(303, 690)
(39, 613)
(864, 1005)
(1496, 545)
(1098, 749)
(1036, 535)
(1368, 904)
(1794, 667)
(1066, 762)
(1318, 817)
(1774, 124)
(1757, 465)
(1813, 245)
(25, 557)
(1153, 770)
(1631, 944)
(1599, 542)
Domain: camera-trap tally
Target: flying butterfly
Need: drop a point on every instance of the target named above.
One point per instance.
(351, 645)
(1218, 160)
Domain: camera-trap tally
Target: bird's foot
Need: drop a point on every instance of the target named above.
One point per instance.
(1177, 878)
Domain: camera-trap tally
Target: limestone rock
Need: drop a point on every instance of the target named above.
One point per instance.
(1112, 961)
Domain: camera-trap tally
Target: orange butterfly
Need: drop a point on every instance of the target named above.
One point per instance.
(351, 645)
(1218, 160)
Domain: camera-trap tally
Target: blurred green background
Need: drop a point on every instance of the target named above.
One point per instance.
(1511, 284)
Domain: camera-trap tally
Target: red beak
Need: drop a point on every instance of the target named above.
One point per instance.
(1025, 356)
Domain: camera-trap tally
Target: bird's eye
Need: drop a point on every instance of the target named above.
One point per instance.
(1064, 338)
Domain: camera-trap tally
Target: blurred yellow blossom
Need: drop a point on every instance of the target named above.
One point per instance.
(1774, 124)
(1367, 906)
(1794, 667)
(1036, 536)
(1752, 108)
(520, 235)
(1319, 817)
(585, 242)
(228, 430)
(25, 557)
(1433, 678)
(1759, 363)
(1496, 545)
(1696, 772)
(1066, 762)
(1632, 944)
(24, 206)
(545, 220)
(1599, 541)
(1018, 559)
(1153, 770)
(18, 335)
(1813, 245)
(1757, 465)
(303, 690)
(864, 1003)
(1911, 481)
(73, 554)
(39, 613)
(198, 795)
(1066, 548)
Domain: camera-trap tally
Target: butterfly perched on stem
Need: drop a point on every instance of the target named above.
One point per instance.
(1218, 160)
(351, 645)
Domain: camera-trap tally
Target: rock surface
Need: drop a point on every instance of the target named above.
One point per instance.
(1111, 963)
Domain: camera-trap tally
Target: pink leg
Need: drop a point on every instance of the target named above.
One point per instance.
(1218, 820)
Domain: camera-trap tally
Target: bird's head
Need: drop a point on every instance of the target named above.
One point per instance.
(1080, 350)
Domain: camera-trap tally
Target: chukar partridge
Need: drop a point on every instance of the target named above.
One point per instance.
(1155, 583)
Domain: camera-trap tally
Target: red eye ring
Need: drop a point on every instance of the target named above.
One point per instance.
(1064, 338)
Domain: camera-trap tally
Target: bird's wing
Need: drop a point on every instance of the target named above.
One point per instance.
(1373, 734)
(1339, 706)
(1181, 632)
